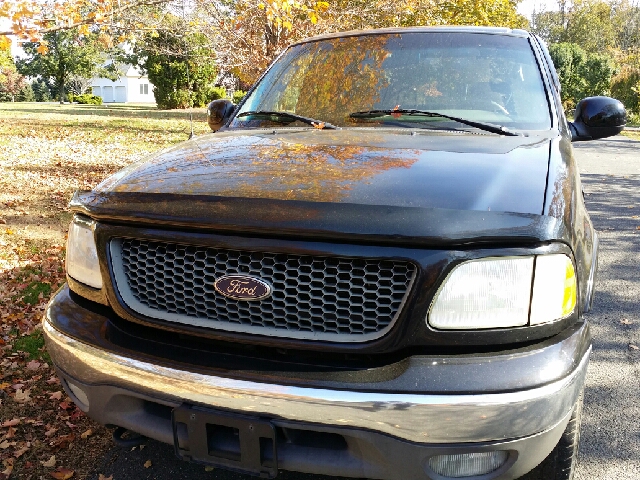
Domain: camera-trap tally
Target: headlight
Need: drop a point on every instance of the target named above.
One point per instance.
(82, 256)
(497, 293)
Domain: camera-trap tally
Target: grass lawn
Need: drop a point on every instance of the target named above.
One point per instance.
(47, 151)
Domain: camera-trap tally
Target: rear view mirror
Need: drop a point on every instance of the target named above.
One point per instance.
(597, 117)
(218, 112)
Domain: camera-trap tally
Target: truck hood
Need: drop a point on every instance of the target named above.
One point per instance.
(353, 185)
(458, 171)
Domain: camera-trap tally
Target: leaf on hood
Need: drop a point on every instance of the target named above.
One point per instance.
(102, 477)
(147, 464)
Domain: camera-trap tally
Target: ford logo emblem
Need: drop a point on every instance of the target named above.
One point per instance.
(242, 287)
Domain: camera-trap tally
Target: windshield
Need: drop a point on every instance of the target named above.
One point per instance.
(479, 77)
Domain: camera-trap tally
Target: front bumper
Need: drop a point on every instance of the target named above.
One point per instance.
(389, 431)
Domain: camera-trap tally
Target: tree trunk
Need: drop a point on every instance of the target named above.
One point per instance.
(61, 92)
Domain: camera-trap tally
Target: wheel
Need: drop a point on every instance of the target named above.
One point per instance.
(561, 462)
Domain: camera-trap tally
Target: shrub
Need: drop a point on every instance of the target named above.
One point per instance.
(238, 95)
(582, 74)
(216, 93)
(626, 87)
(86, 99)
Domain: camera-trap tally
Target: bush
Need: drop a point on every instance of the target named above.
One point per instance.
(238, 95)
(626, 87)
(216, 93)
(582, 74)
(86, 99)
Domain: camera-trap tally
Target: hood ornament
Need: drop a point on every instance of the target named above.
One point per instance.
(242, 287)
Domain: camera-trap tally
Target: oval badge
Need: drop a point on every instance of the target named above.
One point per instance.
(242, 287)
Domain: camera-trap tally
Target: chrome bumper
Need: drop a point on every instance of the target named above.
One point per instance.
(419, 418)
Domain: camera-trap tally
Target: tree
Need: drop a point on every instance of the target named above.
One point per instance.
(181, 67)
(41, 91)
(26, 94)
(69, 53)
(249, 34)
(11, 82)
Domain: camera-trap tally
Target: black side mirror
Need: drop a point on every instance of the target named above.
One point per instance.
(597, 117)
(218, 112)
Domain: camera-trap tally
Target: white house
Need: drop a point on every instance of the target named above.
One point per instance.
(131, 87)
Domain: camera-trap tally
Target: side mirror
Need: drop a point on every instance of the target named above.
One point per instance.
(218, 112)
(597, 117)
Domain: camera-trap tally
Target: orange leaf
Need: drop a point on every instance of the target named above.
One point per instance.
(62, 473)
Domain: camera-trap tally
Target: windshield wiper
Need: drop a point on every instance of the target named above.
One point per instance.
(489, 127)
(309, 121)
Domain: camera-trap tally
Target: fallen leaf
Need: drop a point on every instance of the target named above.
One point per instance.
(633, 347)
(22, 397)
(56, 396)
(10, 433)
(624, 321)
(6, 444)
(18, 453)
(147, 464)
(50, 432)
(11, 423)
(209, 468)
(102, 477)
(33, 365)
(50, 463)
(62, 473)
(86, 434)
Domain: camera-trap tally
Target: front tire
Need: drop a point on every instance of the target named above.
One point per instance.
(561, 462)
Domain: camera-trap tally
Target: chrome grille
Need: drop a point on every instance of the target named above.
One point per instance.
(323, 298)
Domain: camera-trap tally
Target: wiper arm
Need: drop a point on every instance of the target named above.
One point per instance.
(309, 121)
(489, 127)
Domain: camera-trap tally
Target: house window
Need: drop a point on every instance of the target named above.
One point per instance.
(144, 89)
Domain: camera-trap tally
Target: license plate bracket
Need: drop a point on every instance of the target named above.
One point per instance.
(241, 443)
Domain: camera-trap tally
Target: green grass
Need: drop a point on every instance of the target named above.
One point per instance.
(32, 344)
(32, 292)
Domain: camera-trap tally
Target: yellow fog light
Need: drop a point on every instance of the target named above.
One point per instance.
(554, 289)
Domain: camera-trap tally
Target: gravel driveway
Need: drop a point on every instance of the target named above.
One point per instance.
(611, 423)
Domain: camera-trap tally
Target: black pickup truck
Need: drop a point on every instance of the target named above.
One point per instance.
(376, 267)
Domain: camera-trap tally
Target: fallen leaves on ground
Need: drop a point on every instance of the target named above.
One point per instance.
(47, 152)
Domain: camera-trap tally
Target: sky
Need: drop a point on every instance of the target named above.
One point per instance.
(526, 7)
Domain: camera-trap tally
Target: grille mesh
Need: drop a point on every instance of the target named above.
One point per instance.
(344, 299)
